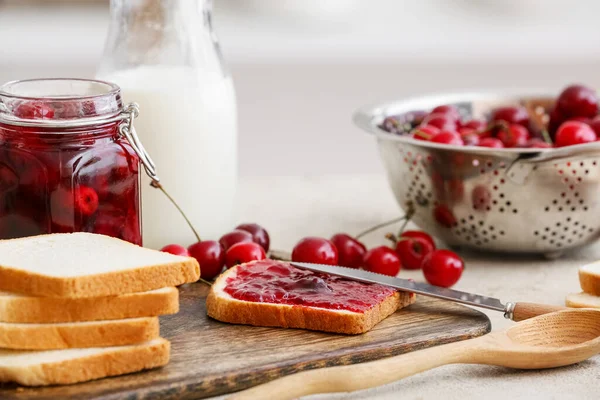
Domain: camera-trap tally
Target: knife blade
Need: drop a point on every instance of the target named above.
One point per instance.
(424, 289)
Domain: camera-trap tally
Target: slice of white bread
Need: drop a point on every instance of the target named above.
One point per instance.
(61, 367)
(88, 265)
(223, 307)
(589, 278)
(30, 309)
(68, 335)
(582, 300)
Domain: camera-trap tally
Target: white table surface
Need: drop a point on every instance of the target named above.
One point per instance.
(291, 208)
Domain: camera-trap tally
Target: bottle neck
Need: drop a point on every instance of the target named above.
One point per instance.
(150, 32)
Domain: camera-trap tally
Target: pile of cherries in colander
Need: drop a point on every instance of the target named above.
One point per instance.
(573, 119)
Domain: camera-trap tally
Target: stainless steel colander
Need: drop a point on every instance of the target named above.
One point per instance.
(509, 200)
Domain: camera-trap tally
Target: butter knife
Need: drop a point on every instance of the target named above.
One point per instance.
(516, 311)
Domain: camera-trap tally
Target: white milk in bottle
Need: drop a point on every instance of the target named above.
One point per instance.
(165, 56)
(187, 124)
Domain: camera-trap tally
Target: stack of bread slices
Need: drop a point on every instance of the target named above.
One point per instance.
(77, 307)
(589, 280)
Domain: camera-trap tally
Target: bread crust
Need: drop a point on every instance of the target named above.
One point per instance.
(109, 284)
(575, 300)
(118, 361)
(221, 306)
(78, 334)
(590, 282)
(29, 309)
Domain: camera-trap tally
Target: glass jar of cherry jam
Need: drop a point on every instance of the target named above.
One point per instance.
(65, 165)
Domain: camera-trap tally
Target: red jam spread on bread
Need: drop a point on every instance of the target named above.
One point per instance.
(270, 281)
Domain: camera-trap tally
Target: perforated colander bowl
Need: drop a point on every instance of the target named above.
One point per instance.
(508, 200)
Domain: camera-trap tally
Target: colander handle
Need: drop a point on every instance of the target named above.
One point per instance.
(520, 168)
(560, 153)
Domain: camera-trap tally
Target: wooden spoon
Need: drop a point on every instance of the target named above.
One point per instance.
(551, 340)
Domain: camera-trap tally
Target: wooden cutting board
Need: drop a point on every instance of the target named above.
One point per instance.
(209, 358)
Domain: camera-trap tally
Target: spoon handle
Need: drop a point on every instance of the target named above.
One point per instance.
(349, 378)
(521, 311)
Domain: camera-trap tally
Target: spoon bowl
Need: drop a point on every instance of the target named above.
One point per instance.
(548, 341)
(551, 340)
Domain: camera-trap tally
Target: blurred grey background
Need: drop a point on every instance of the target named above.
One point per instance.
(302, 66)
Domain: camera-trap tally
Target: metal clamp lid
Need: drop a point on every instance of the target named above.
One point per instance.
(126, 128)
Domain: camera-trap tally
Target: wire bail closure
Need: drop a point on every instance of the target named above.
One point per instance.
(126, 128)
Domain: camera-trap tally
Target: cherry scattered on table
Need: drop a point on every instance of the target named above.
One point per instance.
(259, 234)
(382, 260)
(420, 235)
(442, 268)
(234, 237)
(315, 250)
(244, 252)
(413, 249)
(350, 251)
(211, 257)
(176, 250)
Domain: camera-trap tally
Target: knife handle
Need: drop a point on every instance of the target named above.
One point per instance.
(521, 311)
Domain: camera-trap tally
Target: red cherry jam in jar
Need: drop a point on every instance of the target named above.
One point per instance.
(64, 165)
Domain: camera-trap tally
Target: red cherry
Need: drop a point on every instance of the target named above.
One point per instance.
(382, 260)
(573, 132)
(211, 257)
(444, 216)
(350, 250)
(447, 137)
(412, 251)
(491, 142)
(425, 132)
(176, 250)
(259, 234)
(86, 200)
(469, 136)
(34, 110)
(315, 250)
(449, 110)
(538, 143)
(585, 120)
(241, 253)
(512, 115)
(392, 124)
(556, 119)
(578, 101)
(233, 237)
(440, 121)
(595, 124)
(442, 268)
(514, 136)
(66, 204)
(475, 124)
(419, 234)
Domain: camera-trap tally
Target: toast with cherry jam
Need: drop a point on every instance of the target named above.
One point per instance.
(277, 294)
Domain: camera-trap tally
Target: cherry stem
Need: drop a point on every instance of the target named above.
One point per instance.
(546, 136)
(410, 211)
(157, 185)
(422, 134)
(379, 226)
(395, 239)
(391, 237)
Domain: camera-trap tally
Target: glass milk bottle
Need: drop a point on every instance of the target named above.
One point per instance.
(165, 57)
